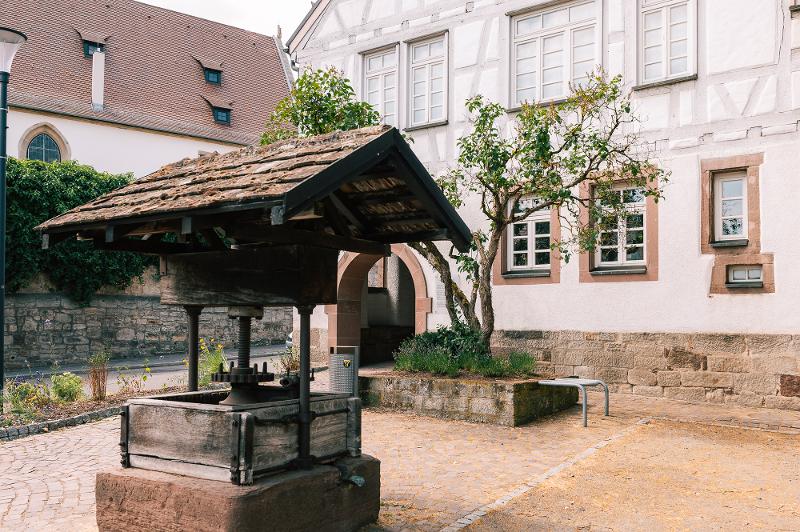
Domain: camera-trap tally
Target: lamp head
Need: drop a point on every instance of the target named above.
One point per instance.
(10, 41)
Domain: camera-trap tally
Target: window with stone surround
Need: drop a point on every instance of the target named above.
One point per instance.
(730, 225)
(667, 42)
(622, 243)
(551, 49)
(528, 243)
(380, 83)
(748, 276)
(730, 206)
(527, 255)
(627, 250)
(428, 81)
(44, 148)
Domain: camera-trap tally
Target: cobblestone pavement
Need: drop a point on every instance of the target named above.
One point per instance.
(47, 480)
(433, 471)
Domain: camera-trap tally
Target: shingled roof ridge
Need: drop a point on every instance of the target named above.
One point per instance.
(169, 171)
(260, 172)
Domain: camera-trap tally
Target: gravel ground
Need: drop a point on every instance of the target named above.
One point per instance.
(668, 476)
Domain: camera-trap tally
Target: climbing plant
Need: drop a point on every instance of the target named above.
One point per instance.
(38, 191)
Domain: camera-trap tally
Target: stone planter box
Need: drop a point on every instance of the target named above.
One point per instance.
(511, 403)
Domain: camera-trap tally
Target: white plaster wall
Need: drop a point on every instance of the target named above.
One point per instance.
(110, 148)
(745, 100)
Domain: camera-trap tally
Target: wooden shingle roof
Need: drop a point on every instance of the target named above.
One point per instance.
(354, 190)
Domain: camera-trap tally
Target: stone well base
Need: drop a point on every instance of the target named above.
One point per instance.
(131, 500)
(510, 403)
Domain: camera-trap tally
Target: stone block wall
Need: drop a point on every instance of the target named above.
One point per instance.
(41, 328)
(748, 369)
(510, 403)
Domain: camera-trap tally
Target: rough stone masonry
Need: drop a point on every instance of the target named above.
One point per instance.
(41, 328)
(748, 369)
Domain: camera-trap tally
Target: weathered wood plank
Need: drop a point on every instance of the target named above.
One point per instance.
(178, 434)
(278, 275)
(181, 468)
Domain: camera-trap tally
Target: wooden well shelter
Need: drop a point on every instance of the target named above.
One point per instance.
(264, 226)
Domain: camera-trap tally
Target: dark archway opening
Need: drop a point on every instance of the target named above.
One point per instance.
(387, 309)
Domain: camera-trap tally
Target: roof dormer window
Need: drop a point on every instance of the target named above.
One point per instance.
(220, 109)
(93, 41)
(221, 116)
(213, 76)
(89, 48)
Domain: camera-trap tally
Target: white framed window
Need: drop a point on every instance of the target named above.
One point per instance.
(428, 81)
(749, 275)
(551, 49)
(667, 40)
(528, 241)
(622, 241)
(730, 206)
(380, 83)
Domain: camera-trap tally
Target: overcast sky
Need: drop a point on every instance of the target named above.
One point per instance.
(262, 16)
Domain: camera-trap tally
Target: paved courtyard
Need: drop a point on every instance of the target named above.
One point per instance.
(434, 472)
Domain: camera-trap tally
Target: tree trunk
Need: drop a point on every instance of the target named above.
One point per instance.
(455, 299)
(485, 287)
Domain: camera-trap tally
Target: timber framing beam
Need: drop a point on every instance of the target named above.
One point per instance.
(282, 235)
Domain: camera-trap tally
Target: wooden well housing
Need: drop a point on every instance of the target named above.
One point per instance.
(190, 434)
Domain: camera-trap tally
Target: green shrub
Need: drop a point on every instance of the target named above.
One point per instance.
(448, 351)
(38, 191)
(67, 387)
(290, 360)
(27, 398)
(211, 356)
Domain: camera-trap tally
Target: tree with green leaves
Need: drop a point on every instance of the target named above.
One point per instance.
(321, 101)
(568, 156)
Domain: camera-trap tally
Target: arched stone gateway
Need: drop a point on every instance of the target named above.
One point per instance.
(344, 318)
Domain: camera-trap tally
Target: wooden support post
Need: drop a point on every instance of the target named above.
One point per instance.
(193, 313)
(304, 458)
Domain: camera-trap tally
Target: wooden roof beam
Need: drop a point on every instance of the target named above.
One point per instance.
(349, 211)
(281, 235)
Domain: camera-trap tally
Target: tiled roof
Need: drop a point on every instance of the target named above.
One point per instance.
(153, 77)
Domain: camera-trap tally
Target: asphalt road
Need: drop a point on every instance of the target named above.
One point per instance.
(165, 371)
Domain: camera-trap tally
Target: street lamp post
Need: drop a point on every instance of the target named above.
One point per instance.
(10, 41)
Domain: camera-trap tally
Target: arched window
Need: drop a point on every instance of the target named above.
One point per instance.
(43, 147)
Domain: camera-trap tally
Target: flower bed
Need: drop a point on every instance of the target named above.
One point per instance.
(59, 415)
(500, 402)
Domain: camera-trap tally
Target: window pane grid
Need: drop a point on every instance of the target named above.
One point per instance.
(530, 244)
(43, 148)
(665, 42)
(428, 82)
(552, 49)
(745, 274)
(623, 243)
(381, 84)
(730, 207)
